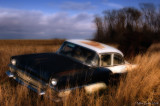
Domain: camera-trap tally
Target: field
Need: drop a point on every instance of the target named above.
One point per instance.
(140, 87)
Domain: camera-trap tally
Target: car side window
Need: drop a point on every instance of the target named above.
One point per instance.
(118, 59)
(105, 60)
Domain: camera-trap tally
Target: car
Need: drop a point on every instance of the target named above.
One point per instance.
(76, 64)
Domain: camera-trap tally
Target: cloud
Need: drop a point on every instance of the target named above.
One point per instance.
(17, 24)
(114, 5)
(77, 6)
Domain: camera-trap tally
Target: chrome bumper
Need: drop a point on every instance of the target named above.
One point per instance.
(40, 92)
(11, 75)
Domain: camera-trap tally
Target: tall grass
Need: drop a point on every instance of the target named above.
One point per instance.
(141, 85)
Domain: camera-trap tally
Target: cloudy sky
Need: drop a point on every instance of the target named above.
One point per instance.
(45, 19)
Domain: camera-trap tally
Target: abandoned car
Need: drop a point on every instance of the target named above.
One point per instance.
(77, 63)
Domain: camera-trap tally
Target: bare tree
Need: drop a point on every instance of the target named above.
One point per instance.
(99, 24)
(133, 29)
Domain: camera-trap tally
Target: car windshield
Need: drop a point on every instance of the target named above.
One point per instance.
(79, 53)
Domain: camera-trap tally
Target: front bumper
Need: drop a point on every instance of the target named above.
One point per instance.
(51, 93)
(19, 80)
(47, 94)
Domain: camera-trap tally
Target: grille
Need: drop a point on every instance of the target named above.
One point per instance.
(29, 80)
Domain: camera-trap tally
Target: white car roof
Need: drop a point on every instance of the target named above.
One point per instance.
(95, 46)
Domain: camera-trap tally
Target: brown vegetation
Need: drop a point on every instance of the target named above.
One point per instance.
(132, 28)
(141, 86)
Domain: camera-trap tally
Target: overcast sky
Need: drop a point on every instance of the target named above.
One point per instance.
(45, 19)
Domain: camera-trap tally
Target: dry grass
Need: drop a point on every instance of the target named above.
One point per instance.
(141, 86)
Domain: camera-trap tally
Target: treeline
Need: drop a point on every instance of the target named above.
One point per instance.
(133, 29)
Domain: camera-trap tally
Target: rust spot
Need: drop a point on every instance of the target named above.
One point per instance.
(95, 44)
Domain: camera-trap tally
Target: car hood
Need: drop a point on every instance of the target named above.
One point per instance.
(46, 64)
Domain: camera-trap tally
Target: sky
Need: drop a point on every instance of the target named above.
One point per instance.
(49, 19)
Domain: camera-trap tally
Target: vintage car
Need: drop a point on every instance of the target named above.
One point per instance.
(77, 64)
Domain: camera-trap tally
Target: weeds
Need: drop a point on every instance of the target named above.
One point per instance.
(141, 85)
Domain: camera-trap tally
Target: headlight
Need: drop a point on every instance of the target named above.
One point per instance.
(54, 82)
(13, 61)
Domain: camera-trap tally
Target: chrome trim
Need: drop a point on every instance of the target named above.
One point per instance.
(41, 92)
(9, 73)
(15, 68)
